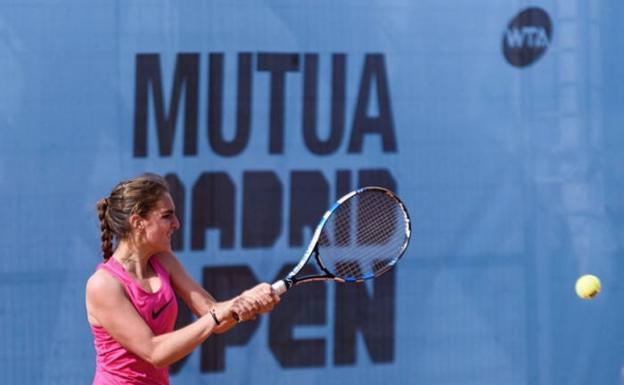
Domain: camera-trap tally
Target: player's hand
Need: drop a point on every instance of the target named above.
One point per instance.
(264, 298)
(242, 308)
(258, 300)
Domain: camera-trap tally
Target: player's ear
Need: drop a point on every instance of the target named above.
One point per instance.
(137, 222)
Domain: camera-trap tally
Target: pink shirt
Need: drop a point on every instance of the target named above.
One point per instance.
(114, 363)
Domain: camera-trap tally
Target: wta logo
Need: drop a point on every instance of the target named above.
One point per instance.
(527, 37)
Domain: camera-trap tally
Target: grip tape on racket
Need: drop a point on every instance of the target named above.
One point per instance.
(279, 287)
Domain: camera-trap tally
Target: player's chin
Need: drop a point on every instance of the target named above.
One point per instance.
(167, 240)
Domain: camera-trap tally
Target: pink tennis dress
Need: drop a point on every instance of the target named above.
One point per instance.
(115, 365)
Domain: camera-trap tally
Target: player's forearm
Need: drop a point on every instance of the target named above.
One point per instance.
(171, 347)
(226, 320)
(201, 305)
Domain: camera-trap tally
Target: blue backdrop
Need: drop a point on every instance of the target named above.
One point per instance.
(499, 123)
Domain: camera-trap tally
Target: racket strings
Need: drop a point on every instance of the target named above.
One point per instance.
(363, 236)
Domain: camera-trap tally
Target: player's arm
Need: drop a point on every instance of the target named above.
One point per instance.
(108, 305)
(201, 302)
(198, 300)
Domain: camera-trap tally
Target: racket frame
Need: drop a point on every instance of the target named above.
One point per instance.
(291, 279)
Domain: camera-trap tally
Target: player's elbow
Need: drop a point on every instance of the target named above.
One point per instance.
(154, 357)
(157, 360)
(159, 364)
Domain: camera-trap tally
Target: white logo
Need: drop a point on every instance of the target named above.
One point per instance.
(529, 36)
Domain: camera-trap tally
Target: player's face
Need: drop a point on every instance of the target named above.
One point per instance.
(160, 224)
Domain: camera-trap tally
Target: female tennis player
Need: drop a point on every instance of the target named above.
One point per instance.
(130, 299)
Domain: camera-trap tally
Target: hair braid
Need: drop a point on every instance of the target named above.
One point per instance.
(106, 234)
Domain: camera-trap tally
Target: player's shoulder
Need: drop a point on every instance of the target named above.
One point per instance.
(103, 292)
(102, 283)
(167, 260)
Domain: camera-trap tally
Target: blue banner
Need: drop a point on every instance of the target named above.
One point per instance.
(498, 123)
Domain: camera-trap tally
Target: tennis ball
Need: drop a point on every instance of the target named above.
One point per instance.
(588, 286)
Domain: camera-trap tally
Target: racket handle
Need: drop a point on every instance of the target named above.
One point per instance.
(279, 287)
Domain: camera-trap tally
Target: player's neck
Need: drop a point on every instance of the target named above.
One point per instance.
(132, 260)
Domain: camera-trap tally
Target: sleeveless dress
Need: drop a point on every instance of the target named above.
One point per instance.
(114, 363)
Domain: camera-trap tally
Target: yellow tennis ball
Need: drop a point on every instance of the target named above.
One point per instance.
(588, 286)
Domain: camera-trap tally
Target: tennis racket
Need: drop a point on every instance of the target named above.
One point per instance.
(362, 236)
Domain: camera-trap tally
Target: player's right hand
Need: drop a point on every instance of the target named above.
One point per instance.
(258, 300)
